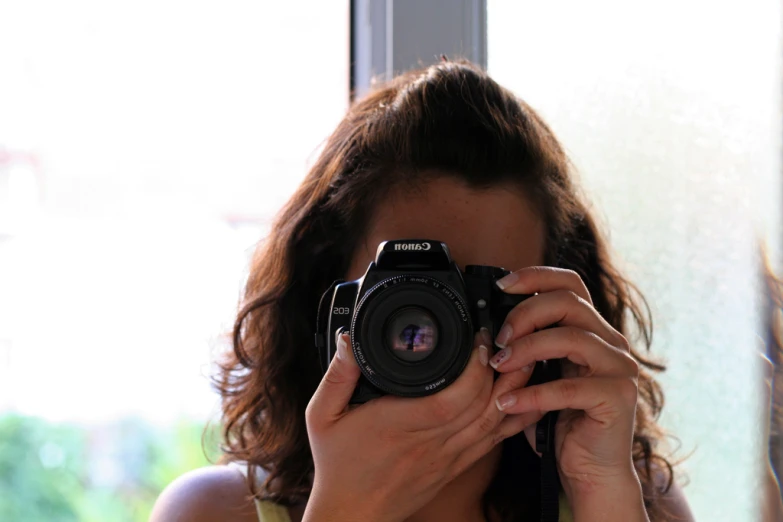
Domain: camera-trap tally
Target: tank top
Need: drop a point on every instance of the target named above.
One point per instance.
(271, 512)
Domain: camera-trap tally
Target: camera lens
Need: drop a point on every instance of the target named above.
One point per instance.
(411, 333)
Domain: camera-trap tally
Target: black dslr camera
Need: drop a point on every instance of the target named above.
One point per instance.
(412, 318)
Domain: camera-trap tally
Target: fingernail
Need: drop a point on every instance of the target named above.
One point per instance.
(506, 281)
(504, 335)
(500, 358)
(527, 368)
(483, 355)
(505, 401)
(485, 335)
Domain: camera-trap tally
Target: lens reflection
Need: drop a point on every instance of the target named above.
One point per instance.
(412, 334)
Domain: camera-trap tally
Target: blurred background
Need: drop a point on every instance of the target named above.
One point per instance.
(145, 147)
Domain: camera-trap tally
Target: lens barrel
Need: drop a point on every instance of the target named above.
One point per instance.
(412, 335)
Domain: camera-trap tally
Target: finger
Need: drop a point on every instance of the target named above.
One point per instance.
(477, 419)
(508, 427)
(567, 342)
(604, 399)
(561, 307)
(540, 279)
(478, 405)
(488, 420)
(471, 454)
(514, 424)
(443, 407)
(334, 392)
(471, 412)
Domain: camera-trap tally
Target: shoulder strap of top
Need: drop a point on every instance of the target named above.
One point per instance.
(565, 509)
(271, 512)
(267, 511)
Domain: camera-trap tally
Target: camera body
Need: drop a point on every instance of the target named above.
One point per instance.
(412, 318)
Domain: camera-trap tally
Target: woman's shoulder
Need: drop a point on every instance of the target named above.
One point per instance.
(209, 494)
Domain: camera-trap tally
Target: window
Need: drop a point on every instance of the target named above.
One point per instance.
(671, 112)
(144, 148)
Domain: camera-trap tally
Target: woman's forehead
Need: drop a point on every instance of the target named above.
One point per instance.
(495, 226)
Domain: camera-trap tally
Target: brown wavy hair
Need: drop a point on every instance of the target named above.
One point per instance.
(449, 119)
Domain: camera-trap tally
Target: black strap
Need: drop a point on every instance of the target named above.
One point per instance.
(550, 488)
(547, 371)
(550, 479)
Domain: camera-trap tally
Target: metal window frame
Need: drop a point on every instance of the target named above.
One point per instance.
(392, 36)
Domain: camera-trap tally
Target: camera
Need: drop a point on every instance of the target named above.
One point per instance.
(412, 318)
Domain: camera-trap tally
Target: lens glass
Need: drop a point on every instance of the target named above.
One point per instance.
(411, 333)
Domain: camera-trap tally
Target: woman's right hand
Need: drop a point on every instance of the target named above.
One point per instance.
(386, 459)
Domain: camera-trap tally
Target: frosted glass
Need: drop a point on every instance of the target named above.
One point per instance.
(671, 112)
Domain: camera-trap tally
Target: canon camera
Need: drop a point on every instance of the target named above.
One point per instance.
(412, 319)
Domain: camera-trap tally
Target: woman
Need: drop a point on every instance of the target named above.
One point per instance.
(442, 153)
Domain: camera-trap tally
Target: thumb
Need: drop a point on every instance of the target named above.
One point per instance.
(332, 396)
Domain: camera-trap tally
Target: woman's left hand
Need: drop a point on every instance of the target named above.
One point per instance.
(597, 393)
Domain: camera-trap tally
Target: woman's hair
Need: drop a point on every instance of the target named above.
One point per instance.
(450, 119)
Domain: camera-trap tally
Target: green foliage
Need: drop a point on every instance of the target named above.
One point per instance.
(65, 472)
(41, 469)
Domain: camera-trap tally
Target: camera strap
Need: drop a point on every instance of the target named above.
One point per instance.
(545, 445)
(550, 479)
